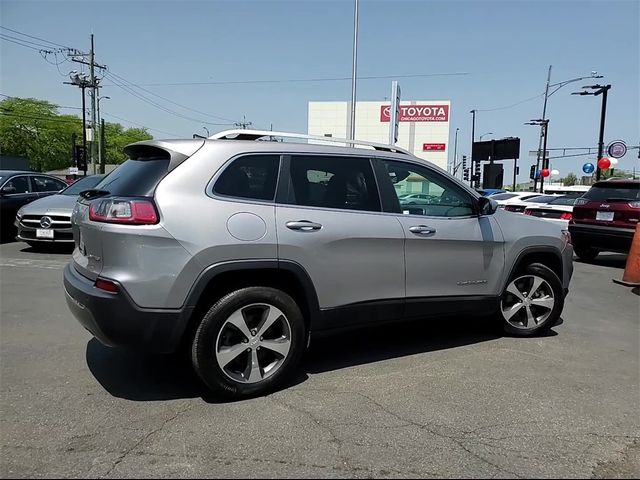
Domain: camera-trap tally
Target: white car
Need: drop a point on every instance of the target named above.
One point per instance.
(518, 205)
(508, 198)
(559, 210)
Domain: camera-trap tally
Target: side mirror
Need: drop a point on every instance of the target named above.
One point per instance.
(9, 190)
(487, 206)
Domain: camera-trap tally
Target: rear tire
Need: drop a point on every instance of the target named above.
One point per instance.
(532, 301)
(249, 343)
(586, 254)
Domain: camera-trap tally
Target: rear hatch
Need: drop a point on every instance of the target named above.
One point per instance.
(135, 181)
(613, 204)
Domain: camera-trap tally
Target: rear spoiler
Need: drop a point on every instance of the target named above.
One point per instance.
(176, 151)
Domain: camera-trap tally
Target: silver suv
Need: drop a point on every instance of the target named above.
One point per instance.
(241, 248)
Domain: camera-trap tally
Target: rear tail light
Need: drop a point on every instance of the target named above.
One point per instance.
(566, 216)
(124, 211)
(581, 201)
(107, 285)
(634, 204)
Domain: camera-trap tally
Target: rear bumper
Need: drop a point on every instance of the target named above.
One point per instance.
(115, 320)
(602, 238)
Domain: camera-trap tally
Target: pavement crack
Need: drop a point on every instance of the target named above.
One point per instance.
(146, 437)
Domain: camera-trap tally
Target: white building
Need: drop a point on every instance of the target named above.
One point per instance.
(423, 129)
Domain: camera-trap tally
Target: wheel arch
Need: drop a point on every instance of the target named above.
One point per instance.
(220, 279)
(550, 257)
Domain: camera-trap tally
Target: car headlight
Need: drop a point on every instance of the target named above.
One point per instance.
(19, 214)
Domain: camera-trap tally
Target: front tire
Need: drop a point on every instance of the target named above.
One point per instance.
(532, 301)
(249, 343)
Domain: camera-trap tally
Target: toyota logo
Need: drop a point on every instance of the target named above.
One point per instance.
(46, 222)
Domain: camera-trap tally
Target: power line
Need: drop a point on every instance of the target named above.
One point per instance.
(19, 43)
(37, 38)
(512, 105)
(4, 35)
(140, 125)
(171, 101)
(305, 80)
(9, 113)
(155, 104)
(52, 104)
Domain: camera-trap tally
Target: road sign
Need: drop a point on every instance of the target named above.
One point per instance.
(73, 171)
(617, 149)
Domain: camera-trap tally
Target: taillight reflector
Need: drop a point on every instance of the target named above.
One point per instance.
(107, 285)
(124, 211)
(528, 212)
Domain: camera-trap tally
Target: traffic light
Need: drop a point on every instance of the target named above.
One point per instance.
(476, 170)
(465, 174)
(532, 172)
(464, 162)
(80, 159)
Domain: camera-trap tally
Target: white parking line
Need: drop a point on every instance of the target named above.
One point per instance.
(32, 263)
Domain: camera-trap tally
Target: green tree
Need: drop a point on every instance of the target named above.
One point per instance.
(34, 129)
(570, 180)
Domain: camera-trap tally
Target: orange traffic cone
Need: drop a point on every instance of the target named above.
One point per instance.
(631, 277)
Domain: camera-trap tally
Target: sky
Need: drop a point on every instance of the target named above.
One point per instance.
(263, 61)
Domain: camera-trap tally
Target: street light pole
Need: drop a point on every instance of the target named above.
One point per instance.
(455, 153)
(545, 126)
(354, 73)
(599, 90)
(484, 134)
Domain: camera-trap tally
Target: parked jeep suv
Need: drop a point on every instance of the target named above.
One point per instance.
(605, 218)
(240, 249)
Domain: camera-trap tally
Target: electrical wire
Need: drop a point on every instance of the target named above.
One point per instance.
(155, 104)
(171, 101)
(18, 43)
(140, 125)
(43, 117)
(305, 80)
(38, 38)
(512, 105)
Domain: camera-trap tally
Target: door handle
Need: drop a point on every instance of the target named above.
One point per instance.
(422, 230)
(304, 225)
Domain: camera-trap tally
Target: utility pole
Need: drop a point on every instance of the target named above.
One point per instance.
(455, 152)
(94, 90)
(473, 139)
(542, 130)
(244, 124)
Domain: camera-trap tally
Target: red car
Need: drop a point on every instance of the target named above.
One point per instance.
(605, 218)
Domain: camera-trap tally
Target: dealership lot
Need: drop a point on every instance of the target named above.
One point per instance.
(452, 400)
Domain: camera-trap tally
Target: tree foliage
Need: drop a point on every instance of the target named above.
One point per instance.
(570, 180)
(34, 129)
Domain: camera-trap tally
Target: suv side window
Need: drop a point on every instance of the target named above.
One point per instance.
(324, 181)
(21, 184)
(252, 176)
(46, 184)
(439, 196)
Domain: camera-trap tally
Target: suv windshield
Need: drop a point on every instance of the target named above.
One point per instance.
(86, 183)
(611, 192)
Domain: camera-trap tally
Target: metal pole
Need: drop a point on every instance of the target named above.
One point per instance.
(99, 138)
(545, 126)
(93, 107)
(515, 173)
(102, 144)
(84, 131)
(473, 139)
(544, 113)
(455, 151)
(352, 132)
(603, 114)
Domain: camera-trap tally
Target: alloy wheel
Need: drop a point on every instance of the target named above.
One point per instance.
(527, 302)
(253, 343)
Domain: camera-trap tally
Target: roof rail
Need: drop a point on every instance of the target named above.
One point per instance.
(258, 134)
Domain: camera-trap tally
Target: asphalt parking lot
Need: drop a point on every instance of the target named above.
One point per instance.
(418, 400)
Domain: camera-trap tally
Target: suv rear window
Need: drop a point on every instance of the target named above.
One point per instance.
(610, 192)
(135, 178)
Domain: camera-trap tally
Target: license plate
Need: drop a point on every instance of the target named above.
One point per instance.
(605, 216)
(44, 233)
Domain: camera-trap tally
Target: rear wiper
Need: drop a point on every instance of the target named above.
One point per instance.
(91, 194)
